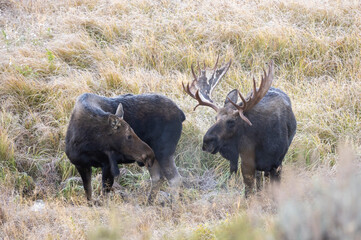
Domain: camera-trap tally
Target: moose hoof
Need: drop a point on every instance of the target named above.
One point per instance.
(162, 199)
(95, 203)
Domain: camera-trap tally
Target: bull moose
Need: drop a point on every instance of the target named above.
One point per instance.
(143, 128)
(260, 129)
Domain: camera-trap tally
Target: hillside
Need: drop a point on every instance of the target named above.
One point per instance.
(53, 51)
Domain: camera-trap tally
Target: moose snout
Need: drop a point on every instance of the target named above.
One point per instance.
(148, 159)
(210, 144)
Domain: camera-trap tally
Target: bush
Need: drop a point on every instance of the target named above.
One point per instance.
(329, 212)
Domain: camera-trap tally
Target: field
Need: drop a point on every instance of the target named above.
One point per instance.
(53, 51)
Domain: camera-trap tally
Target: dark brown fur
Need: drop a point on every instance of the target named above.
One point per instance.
(155, 119)
(260, 129)
(261, 146)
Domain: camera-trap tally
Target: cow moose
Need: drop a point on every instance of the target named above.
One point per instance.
(104, 132)
(260, 129)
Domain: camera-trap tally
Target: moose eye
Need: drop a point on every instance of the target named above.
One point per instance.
(129, 137)
(230, 123)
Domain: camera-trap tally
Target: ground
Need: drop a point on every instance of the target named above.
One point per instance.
(53, 51)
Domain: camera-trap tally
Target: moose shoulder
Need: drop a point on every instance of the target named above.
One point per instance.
(144, 128)
(260, 129)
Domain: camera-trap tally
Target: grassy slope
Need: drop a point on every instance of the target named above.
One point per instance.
(52, 51)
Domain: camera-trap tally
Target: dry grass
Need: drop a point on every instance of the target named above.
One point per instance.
(52, 51)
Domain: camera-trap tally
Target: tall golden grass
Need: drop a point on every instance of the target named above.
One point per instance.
(53, 51)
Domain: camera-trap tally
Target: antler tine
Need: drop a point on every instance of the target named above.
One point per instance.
(188, 90)
(241, 108)
(254, 87)
(229, 65)
(194, 75)
(243, 100)
(215, 65)
(267, 79)
(184, 88)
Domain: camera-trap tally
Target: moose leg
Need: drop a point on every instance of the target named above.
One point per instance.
(259, 180)
(170, 171)
(156, 176)
(248, 178)
(276, 174)
(248, 171)
(248, 166)
(230, 153)
(234, 165)
(107, 179)
(164, 150)
(85, 173)
(113, 159)
(266, 178)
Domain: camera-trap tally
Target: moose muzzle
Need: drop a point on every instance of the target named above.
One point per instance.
(148, 159)
(210, 144)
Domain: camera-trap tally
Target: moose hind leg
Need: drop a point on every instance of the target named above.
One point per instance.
(170, 171)
(276, 174)
(85, 173)
(164, 150)
(266, 178)
(259, 182)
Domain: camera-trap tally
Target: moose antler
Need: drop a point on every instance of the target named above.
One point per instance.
(197, 97)
(202, 86)
(256, 95)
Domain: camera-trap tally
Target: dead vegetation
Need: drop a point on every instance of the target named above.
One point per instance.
(53, 51)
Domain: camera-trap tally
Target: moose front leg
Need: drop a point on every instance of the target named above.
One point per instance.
(233, 166)
(156, 181)
(107, 179)
(230, 153)
(248, 172)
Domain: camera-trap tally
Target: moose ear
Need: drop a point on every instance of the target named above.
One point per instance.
(114, 121)
(120, 112)
(233, 95)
